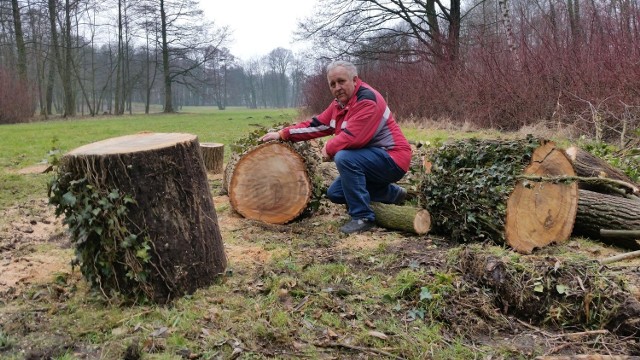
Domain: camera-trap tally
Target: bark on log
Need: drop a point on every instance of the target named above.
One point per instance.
(165, 176)
(589, 165)
(598, 211)
(213, 156)
(404, 218)
(270, 183)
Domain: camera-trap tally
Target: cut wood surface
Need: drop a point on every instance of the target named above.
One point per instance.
(539, 213)
(405, 218)
(270, 183)
(165, 176)
(598, 211)
(213, 156)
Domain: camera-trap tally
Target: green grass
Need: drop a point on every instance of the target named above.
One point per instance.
(286, 307)
(25, 145)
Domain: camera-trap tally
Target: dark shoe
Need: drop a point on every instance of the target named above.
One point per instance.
(356, 226)
(401, 197)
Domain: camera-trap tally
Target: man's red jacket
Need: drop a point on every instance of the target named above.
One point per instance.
(365, 121)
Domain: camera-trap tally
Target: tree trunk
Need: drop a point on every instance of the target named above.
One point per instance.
(588, 165)
(20, 46)
(171, 221)
(598, 211)
(474, 192)
(404, 218)
(270, 183)
(213, 156)
(168, 96)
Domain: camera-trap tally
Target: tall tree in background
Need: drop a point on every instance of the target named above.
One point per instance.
(346, 27)
(22, 51)
(184, 34)
(279, 60)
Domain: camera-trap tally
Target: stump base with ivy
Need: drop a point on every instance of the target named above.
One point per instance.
(141, 215)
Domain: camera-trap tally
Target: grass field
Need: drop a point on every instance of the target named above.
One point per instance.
(300, 290)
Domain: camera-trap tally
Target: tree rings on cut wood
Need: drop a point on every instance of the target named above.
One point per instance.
(213, 156)
(270, 183)
(153, 223)
(539, 213)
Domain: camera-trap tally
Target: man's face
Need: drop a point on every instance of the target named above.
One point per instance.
(341, 84)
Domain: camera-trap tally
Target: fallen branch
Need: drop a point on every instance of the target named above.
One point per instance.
(631, 188)
(625, 256)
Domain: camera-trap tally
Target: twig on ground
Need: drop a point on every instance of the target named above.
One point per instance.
(358, 348)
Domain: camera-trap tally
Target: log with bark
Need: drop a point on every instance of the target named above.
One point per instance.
(475, 192)
(598, 211)
(590, 166)
(213, 156)
(141, 215)
(406, 218)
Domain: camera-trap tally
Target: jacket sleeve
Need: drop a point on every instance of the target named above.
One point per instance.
(362, 124)
(317, 126)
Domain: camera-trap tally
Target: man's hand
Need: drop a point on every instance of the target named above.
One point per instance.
(274, 135)
(325, 156)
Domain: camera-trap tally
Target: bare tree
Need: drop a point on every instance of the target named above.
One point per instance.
(348, 27)
(184, 34)
(22, 51)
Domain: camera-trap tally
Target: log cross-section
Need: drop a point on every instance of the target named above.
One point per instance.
(270, 184)
(539, 213)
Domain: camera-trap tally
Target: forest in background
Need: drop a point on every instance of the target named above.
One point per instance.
(494, 63)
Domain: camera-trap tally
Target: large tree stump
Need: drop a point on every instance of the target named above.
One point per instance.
(598, 211)
(213, 156)
(475, 191)
(404, 218)
(270, 183)
(141, 215)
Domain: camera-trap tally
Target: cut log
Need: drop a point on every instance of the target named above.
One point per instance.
(213, 156)
(589, 165)
(141, 215)
(404, 218)
(270, 183)
(474, 192)
(598, 211)
(541, 213)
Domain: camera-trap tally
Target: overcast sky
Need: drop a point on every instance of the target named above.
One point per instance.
(258, 26)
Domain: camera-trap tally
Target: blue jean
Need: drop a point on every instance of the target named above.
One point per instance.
(366, 175)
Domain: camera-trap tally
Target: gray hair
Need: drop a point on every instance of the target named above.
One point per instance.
(351, 69)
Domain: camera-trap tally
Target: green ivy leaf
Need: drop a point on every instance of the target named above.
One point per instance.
(425, 293)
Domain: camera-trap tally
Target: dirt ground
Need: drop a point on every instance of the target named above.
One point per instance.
(35, 248)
